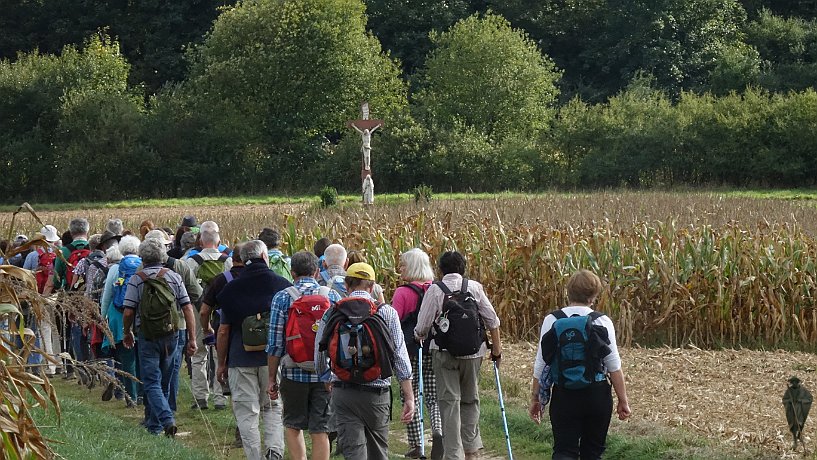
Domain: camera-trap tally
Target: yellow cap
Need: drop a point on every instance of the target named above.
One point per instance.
(361, 270)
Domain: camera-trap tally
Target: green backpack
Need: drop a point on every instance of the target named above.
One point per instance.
(254, 331)
(158, 314)
(279, 265)
(208, 269)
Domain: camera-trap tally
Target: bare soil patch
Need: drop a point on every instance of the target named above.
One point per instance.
(734, 396)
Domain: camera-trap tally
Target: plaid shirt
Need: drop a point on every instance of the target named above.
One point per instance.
(279, 313)
(402, 365)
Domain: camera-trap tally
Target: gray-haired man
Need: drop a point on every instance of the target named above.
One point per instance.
(156, 354)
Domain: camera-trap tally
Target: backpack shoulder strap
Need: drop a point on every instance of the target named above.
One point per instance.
(464, 287)
(198, 258)
(142, 276)
(558, 314)
(294, 293)
(99, 266)
(443, 287)
(594, 315)
(228, 275)
(324, 291)
(417, 289)
(170, 263)
(162, 272)
(222, 258)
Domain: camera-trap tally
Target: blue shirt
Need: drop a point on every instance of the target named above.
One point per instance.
(402, 365)
(279, 314)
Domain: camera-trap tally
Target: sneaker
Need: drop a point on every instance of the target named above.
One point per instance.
(272, 455)
(129, 404)
(170, 431)
(219, 407)
(437, 447)
(108, 393)
(414, 452)
(140, 400)
(199, 404)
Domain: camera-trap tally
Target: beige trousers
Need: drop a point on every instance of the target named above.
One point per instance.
(458, 398)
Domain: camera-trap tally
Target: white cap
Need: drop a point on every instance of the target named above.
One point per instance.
(50, 233)
(158, 234)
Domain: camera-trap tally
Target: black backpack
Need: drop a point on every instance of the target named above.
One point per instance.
(459, 328)
(410, 321)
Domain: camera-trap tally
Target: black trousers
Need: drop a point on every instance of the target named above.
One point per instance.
(580, 419)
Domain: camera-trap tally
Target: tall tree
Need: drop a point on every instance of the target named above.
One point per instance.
(403, 26)
(484, 74)
(280, 78)
(153, 34)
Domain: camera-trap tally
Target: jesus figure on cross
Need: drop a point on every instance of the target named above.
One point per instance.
(366, 134)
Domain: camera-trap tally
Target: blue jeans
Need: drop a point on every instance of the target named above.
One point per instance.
(79, 343)
(156, 362)
(177, 364)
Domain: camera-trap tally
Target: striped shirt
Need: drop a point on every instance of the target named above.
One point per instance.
(402, 365)
(279, 314)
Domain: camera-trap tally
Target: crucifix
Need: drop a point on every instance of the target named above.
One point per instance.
(366, 127)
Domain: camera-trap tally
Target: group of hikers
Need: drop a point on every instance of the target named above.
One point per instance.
(308, 343)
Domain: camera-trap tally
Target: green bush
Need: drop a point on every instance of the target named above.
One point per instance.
(423, 192)
(329, 197)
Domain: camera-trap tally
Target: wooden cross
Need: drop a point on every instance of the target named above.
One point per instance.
(360, 125)
(366, 127)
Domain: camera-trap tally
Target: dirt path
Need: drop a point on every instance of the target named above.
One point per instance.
(731, 395)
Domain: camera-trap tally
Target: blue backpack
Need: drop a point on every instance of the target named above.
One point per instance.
(574, 349)
(127, 268)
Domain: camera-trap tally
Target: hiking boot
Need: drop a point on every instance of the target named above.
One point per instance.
(437, 447)
(108, 393)
(129, 403)
(414, 452)
(475, 455)
(219, 406)
(272, 455)
(199, 404)
(170, 431)
(140, 400)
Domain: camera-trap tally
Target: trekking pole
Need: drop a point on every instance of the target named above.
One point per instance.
(420, 398)
(502, 409)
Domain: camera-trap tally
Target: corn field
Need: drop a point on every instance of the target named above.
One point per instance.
(678, 268)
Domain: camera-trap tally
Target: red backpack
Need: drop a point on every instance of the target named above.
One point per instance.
(74, 282)
(305, 313)
(45, 268)
(360, 346)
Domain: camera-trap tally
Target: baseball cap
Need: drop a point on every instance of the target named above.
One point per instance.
(50, 233)
(361, 270)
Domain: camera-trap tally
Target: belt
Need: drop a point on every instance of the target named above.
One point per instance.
(359, 387)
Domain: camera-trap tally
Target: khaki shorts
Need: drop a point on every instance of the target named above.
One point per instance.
(306, 406)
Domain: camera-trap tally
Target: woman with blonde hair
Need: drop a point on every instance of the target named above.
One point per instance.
(415, 270)
(580, 405)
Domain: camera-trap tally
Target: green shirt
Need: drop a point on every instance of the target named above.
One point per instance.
(59, 265)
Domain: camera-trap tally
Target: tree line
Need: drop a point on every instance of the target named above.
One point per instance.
(122, 99)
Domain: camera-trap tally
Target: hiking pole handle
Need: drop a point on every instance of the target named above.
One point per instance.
(502, 409)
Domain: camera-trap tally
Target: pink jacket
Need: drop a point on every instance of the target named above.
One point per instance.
(405, 300)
